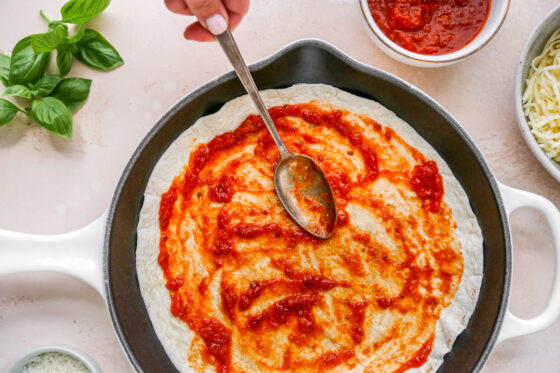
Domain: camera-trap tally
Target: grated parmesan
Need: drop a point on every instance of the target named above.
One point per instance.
(54, 362)
(541, 99)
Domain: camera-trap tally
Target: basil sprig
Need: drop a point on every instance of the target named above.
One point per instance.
(51, 97)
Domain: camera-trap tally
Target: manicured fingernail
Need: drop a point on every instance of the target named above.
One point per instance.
(216, 24)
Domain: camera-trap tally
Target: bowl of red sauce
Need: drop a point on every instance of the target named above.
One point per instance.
(432, 33)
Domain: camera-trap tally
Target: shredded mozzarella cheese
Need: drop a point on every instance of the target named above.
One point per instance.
(541, 99)
(54, 362)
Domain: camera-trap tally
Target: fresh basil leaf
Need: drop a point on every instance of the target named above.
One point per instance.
(78, 35)
(7, 111)
(81, 11)
(46, 84)
(64, 59)
(4, 69)
(72, 91)
(26, 65)
(97, 52)
(18, 90)
(52, 114)
(46, 42)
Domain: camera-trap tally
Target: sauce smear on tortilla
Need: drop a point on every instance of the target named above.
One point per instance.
(248, 280)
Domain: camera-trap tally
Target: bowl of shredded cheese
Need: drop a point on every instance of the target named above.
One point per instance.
(537, 92)
(55, 359)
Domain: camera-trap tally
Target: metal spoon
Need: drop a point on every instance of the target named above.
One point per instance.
(300, 183)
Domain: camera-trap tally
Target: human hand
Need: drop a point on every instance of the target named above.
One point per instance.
(214, 16)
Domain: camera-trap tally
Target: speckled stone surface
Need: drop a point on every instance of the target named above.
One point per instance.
(49, 185)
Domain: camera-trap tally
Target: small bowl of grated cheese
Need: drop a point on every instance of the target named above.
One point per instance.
(55, 359)
(537, 92)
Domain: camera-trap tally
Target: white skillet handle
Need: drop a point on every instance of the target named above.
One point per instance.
(514, 326)
(78, 253)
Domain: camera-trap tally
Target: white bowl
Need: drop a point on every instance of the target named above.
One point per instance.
(533, 47)
(496, 17)
(18, 366)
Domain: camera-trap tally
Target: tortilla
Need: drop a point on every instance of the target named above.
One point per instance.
(186, 349)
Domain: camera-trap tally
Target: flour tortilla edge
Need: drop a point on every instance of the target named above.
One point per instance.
(175, 336)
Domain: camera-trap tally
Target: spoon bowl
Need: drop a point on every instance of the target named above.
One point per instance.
(306, 194)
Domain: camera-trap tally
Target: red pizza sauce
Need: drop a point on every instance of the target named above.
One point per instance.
(426, 182)
(432, 27)
(247, 279)
(419, 358)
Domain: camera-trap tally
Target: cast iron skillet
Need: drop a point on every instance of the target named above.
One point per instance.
(306, 61)
(311, 61)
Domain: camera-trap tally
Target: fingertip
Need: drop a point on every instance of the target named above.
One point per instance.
(234, 20)
(197, 32)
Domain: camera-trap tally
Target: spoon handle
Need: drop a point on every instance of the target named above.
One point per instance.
(229, 46)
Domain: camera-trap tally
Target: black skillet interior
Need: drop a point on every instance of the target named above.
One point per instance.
(310, 61)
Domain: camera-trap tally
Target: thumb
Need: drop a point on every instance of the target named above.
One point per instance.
(211, 14)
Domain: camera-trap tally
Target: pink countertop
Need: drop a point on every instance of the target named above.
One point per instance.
(49, 185)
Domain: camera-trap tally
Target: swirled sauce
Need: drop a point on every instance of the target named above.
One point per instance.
(263, 295)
